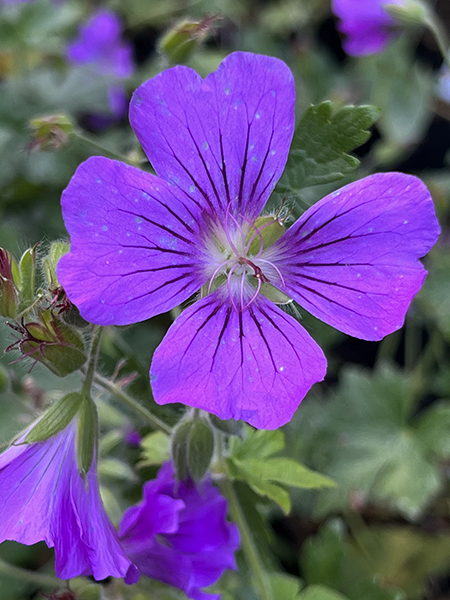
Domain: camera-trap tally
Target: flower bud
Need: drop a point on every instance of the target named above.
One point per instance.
(8, 291)
(57, 249)
(192, 449)
(409, 13)
(51, 342)
(27, 272)
(50, 132)
(179, 43)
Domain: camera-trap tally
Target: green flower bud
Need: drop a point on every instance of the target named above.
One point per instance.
(192, 449)
(50, 132)
(179, 43)
(27, 273)
(51, 342)
(9, 274)
(410, 13)
(57, 249)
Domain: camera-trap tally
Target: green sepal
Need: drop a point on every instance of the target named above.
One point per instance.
(179, 43)
(56, 418)
(8, 298)
(27, 269)
(179, 450)
(410, 14)
(200, 449)
(273, 294)
(57, 250)
(53, 343)
(230, 426)
(266, 231)
(192, 449)
(86, 434)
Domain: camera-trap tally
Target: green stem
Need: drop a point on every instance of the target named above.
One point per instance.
(248, 545)
(118, 393)
(86, 141)
(92, 364)
(28, 576)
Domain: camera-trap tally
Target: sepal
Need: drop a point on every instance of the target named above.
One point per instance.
(192, 449)
(56, 418)
(87, 435)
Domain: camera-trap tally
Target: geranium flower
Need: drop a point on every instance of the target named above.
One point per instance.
(179, 534)
(367, 25)
(44, 498)
(100, 45)
(142, 245)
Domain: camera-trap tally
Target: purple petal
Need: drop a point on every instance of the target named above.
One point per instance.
(134, 244)
(42, 497)
(256, 365)
(221, 140)
(368, 26)
(352, 259)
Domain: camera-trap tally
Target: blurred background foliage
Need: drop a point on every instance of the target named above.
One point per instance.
(379, 425)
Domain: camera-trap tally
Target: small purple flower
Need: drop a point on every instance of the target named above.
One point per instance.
(367, 25)
(142, 245)
(100, 45)
(43, 497)
(179, 534)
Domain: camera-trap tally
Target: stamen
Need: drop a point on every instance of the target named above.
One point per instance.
(229, 286)
(226, 230)
(276, 269)
(255, 295)
(213, 276)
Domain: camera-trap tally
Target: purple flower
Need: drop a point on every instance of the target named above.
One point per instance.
(43, 497)
(100, 45)
(367, 25)
(179, 534)
(142, 245)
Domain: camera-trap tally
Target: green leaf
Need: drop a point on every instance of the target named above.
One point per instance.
(366, 440)
(320, 592)
(287, 472)
(257, 443)
(432, 429)
(200, 449)
(87, 433)
(434, 297)
(263, 487)
(155, 449)
(322, 140)
(284, 587)
(56, 418)
(116, 469)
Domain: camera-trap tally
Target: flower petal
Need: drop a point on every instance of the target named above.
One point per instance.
(352, 259)
(221, 140)
(134, 244)
(256, 365)
(43, 497)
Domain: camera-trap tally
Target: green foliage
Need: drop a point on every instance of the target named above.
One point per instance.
(371, 445)
(322, 140)
(251, 461)
(155, 449)
(434, 297)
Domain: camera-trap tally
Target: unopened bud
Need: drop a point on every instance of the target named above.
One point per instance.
(408, 13)
(179, 43)
(9, 275)
(50, 132)
(27, 270)
(52, 343)
(57, 250)
(192, 449)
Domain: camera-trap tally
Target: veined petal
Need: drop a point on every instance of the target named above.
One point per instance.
(352, 259)
(135, 249)
(223, 140)
(43, 497)
(255, 365)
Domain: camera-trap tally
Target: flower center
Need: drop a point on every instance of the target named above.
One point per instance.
(237, 262)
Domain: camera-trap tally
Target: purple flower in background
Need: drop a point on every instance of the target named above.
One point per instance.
(142, 245)
(100, 45)
(179, 534)
(43, 497)
(367, 25)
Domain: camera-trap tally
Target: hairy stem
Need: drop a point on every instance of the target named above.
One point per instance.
(118, 393)
(92, 361)
(248, 544)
